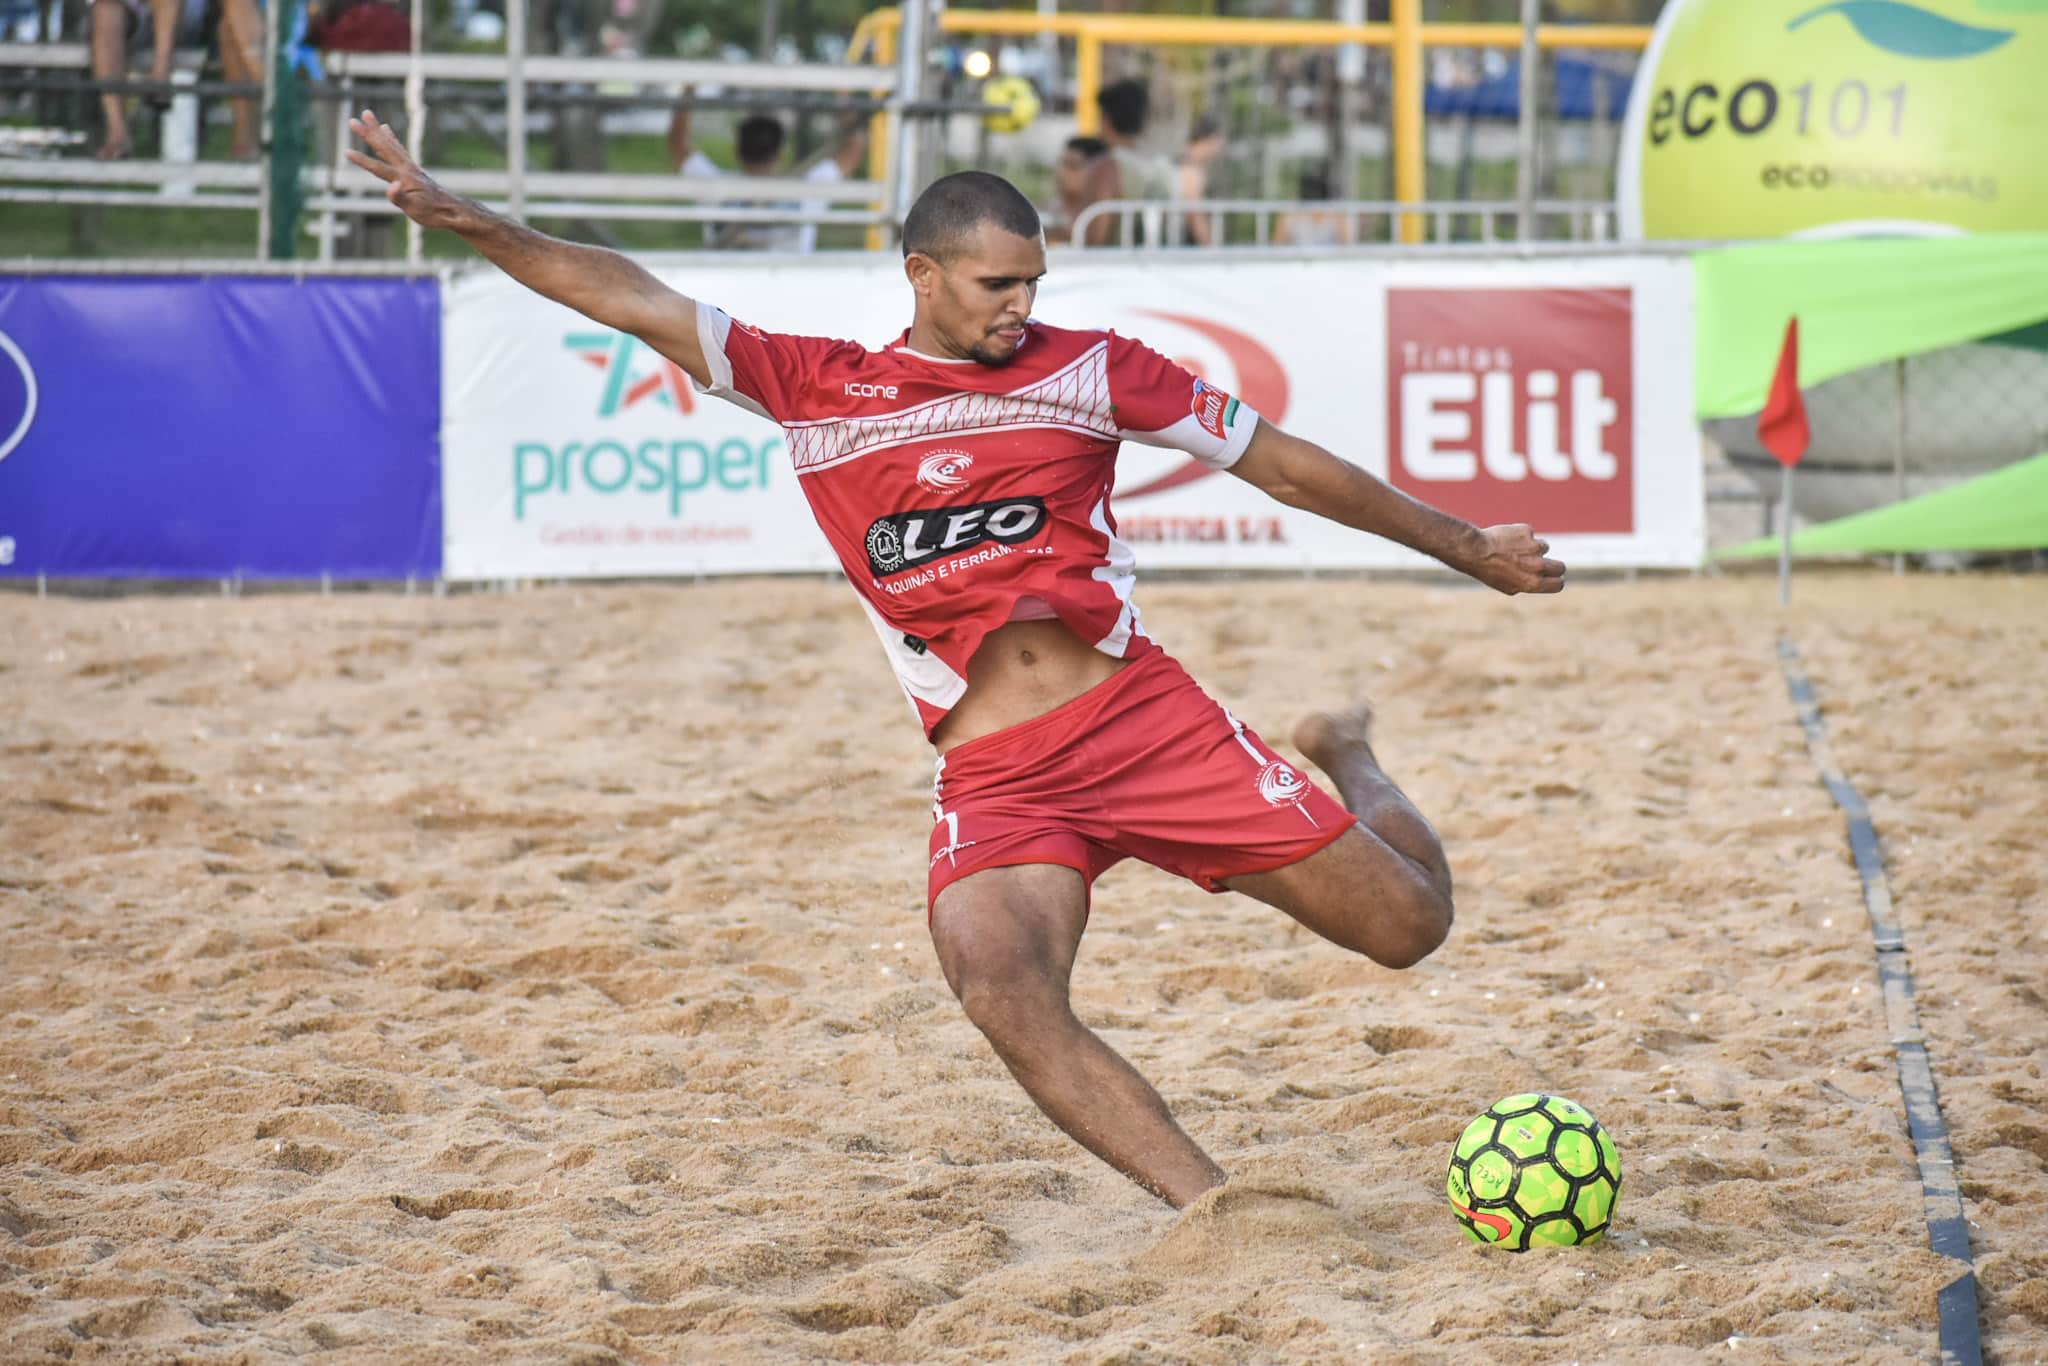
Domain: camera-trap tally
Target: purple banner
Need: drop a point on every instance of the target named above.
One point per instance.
(213, 426)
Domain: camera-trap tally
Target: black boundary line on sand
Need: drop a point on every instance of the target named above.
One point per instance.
(1948, 1230)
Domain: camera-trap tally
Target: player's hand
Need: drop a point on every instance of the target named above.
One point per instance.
(1512, 559)
(410, 188)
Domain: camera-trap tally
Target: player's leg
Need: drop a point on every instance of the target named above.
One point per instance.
(1384, 888)
(1006, 939)
(109, 47)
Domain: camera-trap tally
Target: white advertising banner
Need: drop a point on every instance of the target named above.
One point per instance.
(1551, 391)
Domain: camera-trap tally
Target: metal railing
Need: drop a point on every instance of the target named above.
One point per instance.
(1405, 36)
(1162, 223)
(336, 187)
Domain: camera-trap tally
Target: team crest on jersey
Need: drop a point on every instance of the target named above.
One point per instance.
(1280, 785)
(1213, 408)
(908, 540)
(944, 471)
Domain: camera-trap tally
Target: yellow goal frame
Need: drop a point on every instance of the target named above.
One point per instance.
(1406, 36)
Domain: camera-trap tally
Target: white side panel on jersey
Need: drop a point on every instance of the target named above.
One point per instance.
(1075, 399)
(1119, 570)
(925, 676)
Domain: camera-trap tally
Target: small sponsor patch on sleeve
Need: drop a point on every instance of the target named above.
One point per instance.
(1213, 408)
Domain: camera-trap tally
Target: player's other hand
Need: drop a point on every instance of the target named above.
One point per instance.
(1512, 559)
(407, 186)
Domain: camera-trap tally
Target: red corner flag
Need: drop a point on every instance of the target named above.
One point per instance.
(1782, 424)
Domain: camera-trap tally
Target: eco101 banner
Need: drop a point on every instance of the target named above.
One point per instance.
(1760, 118)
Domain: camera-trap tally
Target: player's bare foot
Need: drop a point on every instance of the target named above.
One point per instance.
(114, 149)
(1329, 737)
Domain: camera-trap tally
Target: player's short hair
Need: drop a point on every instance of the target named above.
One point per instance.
(759, 139)
(1126, 104)
(1087, 148)
(953, 206)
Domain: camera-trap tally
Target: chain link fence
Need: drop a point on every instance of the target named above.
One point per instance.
(1904, 428)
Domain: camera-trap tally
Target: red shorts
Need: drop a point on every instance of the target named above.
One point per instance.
(1143, 765)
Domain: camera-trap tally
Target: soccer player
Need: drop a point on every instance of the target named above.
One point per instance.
(962, 474)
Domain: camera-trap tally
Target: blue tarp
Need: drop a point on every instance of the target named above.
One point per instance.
(207, 427)
(1582, 86)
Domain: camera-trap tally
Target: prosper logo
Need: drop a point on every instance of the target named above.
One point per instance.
(17, 395)
(630, 377)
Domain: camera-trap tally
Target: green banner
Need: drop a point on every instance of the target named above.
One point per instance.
(2004, 510)
(1859, 302)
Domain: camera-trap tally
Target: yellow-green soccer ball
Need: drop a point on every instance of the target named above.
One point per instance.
(1011, 102)
(1534, 1171)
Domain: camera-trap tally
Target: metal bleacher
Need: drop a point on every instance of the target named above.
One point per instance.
(335, 189)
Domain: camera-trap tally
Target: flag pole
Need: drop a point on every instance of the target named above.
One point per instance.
(1785, 433)
(1785, 541)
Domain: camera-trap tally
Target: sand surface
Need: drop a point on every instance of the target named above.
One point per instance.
(542, 977)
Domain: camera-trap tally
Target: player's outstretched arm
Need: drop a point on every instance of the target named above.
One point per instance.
(1302, 474)
(601, 285)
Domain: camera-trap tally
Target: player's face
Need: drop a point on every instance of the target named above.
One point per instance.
(981, 298)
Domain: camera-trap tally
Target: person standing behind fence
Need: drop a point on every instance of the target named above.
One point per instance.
(834, 169)
(1133, 174)
(757, 144)
(1077, 179)
(1191, 178)
(1314, 227)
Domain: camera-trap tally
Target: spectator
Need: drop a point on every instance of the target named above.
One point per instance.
(240, 41)
(1311, 227)
(361, 26)
(158, 25)
(758, 145)
(1132, 174)
(838, 166)
(1191, 177)
(1077, 179)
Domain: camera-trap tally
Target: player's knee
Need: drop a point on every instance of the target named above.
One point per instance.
(1012, 1009)
(1423, 929)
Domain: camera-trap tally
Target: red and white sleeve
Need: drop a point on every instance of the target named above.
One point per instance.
(1161, 404)
(763, 372)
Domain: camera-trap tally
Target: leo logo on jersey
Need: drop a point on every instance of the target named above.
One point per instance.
(907, 540)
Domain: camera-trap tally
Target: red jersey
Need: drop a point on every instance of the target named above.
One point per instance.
(959, 496)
